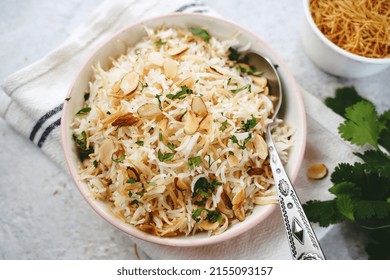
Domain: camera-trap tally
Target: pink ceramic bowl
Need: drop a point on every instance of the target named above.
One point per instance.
(294, 114)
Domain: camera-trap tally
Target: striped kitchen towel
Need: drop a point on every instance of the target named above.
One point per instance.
(35, 96)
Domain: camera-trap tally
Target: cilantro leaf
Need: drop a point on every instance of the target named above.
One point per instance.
(204, 189)
(376, 162)
(160, 42)
(368, 209)
(233, 54)
(323, 212)
(200, 33)
(194, 162)
(83, 111)
(119, 159)
(81, 146)
(249, 124)
(212, 215)
(140, 143)
(223, 126)
(362, 125)
(346, 188)
(384, 138)
(164, 157)
(181, 94)
(346, 206)
(379, 246)
(344, 98)
(242, 146)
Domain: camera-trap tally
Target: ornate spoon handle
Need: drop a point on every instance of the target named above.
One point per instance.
(301, 238)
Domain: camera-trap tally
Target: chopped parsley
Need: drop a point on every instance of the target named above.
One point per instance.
(181, 94)
(145, 85)
(242, 146)
(247, 69)
(95, 163)
(202, 33)
(132, 181)
(212, 215)
(223, 126)
(160, 43)
(83, 111)
(233, 54)
(204, 189)
(237, 90)
(140, 143)
(160, 138)
(164, 157)
(119, 159)
(171, 146)
(249, 124)
(86, 96)
(194, 162)
(159, 101)
(81, 144)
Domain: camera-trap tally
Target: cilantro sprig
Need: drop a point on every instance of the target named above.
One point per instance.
(181, 94)
(200, 32)
(361, 189)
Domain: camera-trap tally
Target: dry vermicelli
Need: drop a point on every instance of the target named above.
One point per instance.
(361, 27)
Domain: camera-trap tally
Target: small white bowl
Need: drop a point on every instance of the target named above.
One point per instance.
(333, 59)
(294, 114)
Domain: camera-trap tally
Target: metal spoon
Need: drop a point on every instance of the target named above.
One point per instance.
(301, 238)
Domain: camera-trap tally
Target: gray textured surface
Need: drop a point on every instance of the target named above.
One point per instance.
(43, 216)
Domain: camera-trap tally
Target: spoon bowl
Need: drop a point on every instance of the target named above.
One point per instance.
(302, 240)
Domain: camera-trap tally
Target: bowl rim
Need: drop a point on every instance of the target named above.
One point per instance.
(333, 46)
(227, 235)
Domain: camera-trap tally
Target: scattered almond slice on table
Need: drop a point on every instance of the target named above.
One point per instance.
(317, 171)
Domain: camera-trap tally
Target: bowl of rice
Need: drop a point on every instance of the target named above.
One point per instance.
(347, 38)
(163, 130)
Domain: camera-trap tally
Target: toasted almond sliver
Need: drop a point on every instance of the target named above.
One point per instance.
(261, 146)
(163, 124)
(232, 160)
(170, 68)
(317, 171)
(180, 184)
(217, 69)
(239, 197)
(177, 50)
(149, 111)
(205, 123)
(105, 152)
(191, 124)
(129, 82)
(126, 119)
(206, 225)
(156, 58)
(259, 81)
(116, 87)
(255, 171)
(239, 213)
(198, 106)
(188, 82)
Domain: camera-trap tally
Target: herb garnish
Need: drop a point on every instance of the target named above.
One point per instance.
(160, 42)
(119, 159)
(212, 215)
(237, 90)
(131, 181)
(164, 157)
(171, 146)
(235, 140)
(83, 111)
(81, 144)
(95, 163)
(204, 189)
(181, 94)
(361, 189)
(249, 124)
(159, 101)
(86, 96)
(194, 162)
(140, 143)
(247, 69)
(223, 125)
(201, 33)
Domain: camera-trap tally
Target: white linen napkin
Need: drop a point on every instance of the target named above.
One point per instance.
(35, 97)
